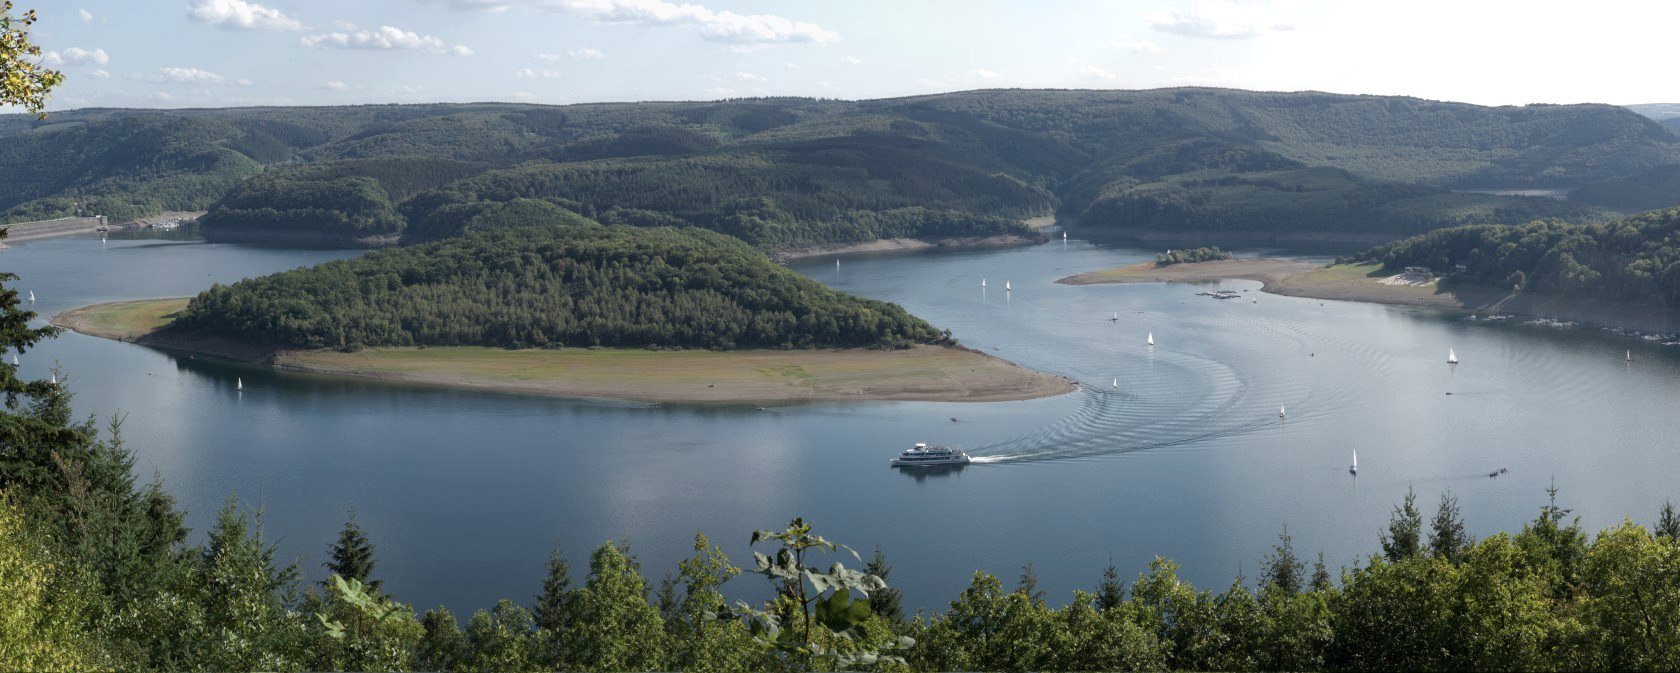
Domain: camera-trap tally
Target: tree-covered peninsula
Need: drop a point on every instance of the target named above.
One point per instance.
(570, 283)
(1635, 260)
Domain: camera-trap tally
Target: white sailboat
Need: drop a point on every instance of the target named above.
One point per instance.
(54, 380)
(1354, 468)
(1630, 356)
(1064, 237)
(1452, 357)
(982, 282)
(239, 384)
(1006, 287)
(1151, 339)
(14, 360)
(1116, 317)
(1281, 413)
(1116, 384)
(31, 295)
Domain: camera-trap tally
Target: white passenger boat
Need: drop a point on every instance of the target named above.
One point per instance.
(924, 455)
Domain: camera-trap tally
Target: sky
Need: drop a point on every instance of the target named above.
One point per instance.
(219, 53)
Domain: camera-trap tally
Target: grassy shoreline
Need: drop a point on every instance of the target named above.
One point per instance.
(922, 373)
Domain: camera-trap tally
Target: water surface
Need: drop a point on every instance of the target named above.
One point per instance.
(464, 493)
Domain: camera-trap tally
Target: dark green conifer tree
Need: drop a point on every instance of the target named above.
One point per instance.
(1111, 592)
(1028, 584)
(884, 602)
(1282, 567)
(352, 555)
(1668, 523)
(1405, 527)
(1320, 575)
(1447, 539)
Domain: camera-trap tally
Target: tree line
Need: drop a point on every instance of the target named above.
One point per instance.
(562, 285)
(1634, 260)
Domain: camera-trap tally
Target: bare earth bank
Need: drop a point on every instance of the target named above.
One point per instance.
(922, 373)
(1365, 282)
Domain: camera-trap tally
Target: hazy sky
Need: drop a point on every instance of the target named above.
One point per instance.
(207, 53)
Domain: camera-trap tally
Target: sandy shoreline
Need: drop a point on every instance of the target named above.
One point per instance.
(922, 373)
(1364, 282)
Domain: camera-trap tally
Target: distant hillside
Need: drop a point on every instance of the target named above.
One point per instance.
(1635, 260)
(780, 172)
(573, 284)
(1650, 189)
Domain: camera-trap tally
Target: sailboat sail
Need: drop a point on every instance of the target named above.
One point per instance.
(1452, 357)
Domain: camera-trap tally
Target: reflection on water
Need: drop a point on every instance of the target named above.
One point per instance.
(465, 492)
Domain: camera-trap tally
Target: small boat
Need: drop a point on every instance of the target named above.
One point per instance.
(1281, 414)
(1151, 339)
(1630, 356)
(238, 384)
(1116, 317)
(922, 455)
(1116, 384)
(1354, 468)
(54, 380)
(31, 295)
(1006, 287)
(1064, 237)
(1452, 357)
(982, 282)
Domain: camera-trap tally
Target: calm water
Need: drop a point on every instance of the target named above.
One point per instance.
(465, 493)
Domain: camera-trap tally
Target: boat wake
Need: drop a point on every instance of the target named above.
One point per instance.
(1173, 398)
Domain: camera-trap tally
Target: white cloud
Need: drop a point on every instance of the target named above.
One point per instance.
(241, 15)
(585, 54)
(749, 77)
(99, 74)
(792, 66)
(184, 76)
(854, 60)
(531, 73)
(1094, 71)
(242, 82)
(721, 92)
(1223, 19)
(523, 95)
(161, 96)
(336, 85)
(407, 89)
(383, 38)
(720, 26)
(543, 56)
(985, 74)
(87, 16)
(1136, 46)
(76, 56)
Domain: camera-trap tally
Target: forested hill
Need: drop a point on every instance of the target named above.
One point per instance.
(575, 283)
(1634, 260)
(779, 172)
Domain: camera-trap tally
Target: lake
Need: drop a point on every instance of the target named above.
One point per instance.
(464, 493)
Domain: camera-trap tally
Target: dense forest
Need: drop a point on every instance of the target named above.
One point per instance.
(1635, 260)
(571, 282)
(785, 171)
(1188, 256)
(95, 574)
